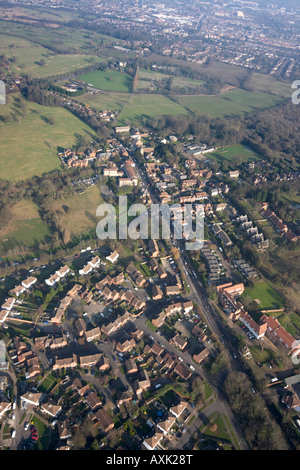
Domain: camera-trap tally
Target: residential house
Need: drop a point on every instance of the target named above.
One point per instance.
(89, 360)
(93, 401)
(182, 371)
(32, 398)
(143, 383)
(103, 363)
(201, 356)
(179, 342)
(104, 420)
(80, 326)
(113, 257)
(64, 429)
(131, 366)
(172, 290)
(50, 408)
(151, 443)
(153, 248)
(157, 293)
(29, 282)
(166, 424)
(8, 304)
(93, 334)
(65, 363)
(177, 410)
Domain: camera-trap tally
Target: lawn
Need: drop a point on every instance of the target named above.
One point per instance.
(48, 383)
(25, 229)
(32, 138)
(221, 432)
(141, 107)
(268, 297)
(109, 80)
(264, 356)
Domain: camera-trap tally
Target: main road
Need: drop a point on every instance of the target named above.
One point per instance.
(198, 295)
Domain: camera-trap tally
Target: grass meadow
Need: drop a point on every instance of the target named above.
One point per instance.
(109, 80)
(140, 107)
(77, 213)
(38, 62)
(24, 231)
(31, 141)
(232, 103)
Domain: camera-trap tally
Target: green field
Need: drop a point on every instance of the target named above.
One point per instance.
(107, 100)
(233, 152)
(58, 38)
(77, 213)
(268, 84)
(268, 297)
(31, 142)
(151, 80)
(141, 107)
(38, 62)
(109, 80)
(231, 103)
(24, 231)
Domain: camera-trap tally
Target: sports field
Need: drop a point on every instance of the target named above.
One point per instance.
(32, 138)
(232, 152)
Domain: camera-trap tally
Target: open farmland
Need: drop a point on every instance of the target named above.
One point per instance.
(232, 103)
(108, 100)
(32, 137)
(144, 106)
(56, 38)
(38, 62)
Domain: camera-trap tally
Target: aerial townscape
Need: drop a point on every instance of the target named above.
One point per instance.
(149, 343)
